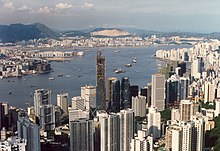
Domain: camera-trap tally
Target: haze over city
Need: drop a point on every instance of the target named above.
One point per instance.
(166, 15)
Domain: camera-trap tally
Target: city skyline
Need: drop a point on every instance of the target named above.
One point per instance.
(192, 16)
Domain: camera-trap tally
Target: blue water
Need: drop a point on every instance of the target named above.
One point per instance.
(82, 71)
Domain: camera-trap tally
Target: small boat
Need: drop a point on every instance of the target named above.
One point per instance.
(67, 75)
(117, 71)
(116, 51)
(128, 65)
(60, 75)
(134, 60)
(51, 78)
(9, 92)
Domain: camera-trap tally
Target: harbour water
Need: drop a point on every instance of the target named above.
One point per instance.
(81, 71)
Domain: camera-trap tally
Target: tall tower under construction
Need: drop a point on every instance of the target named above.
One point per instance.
(100, 82)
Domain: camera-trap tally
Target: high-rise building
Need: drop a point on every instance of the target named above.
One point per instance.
(78, 103)
(154, 122)
(217, 107)
(139, 106)
(78, 114)
(158, 91)
(175, 114)
(115, 96)
(4, 115)
(149, 92)
(186, 110)
(29, 131)
(62, 101)
(41, 97)
(109, 130)
(199, 131)
(209, 92)
(134, 90)
(144, 92)
(142, 142)
(172, 91)
(110, 79)
(81, 135)
(183, 88)
(126, 128)
(100, 82)
(125, 93)
(47, 117)
(88, 93)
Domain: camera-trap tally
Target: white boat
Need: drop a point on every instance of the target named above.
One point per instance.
(51, 78)
(119, 70)
(116, 51)
(134, 60)
(80, 53)
(128, 65)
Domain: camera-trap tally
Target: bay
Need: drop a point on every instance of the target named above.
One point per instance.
(81, 71)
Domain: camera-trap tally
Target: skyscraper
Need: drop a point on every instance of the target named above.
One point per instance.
(184, 83)
(115, 96)
(172, 91)
(110, 79)
(139, 106)
(62, 101)
(125, 93)
(154, 125)
(109, 131)
(134, 91)
(149, 94)
(81, 135)
(158, 91)
(41, 97)
(100, 82)
(88, 93)
(44, 110)
(186, 110)
(29, 131)
(126, 128)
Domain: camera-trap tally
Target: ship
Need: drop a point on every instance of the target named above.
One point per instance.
(117, 71)
(60, 75)
(128, 65)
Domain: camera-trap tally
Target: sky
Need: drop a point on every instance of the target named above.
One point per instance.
(159, 15)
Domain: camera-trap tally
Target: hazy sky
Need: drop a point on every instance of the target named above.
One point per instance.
(162, 15)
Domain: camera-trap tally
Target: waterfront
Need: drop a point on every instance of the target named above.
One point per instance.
(81, 71)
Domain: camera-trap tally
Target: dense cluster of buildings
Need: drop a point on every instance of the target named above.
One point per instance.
(126, 119)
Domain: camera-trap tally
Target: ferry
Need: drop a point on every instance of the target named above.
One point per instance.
(117, 71)
(128, 65)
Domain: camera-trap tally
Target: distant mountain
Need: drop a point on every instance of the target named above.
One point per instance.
(109, 32)
(19, 32)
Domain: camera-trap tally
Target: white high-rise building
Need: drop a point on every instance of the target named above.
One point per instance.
(158, 91)
(81, 135)
(78, 103)
(109, 131)
(154, 122)
(78, 114)
(209, 92)
(126, 128)
(139, 106)
(142, 142)
(88, 93)
(195, 68)
(62, 101)
(176, 139)
(217, 107)
(186, 110)
(175, 114)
